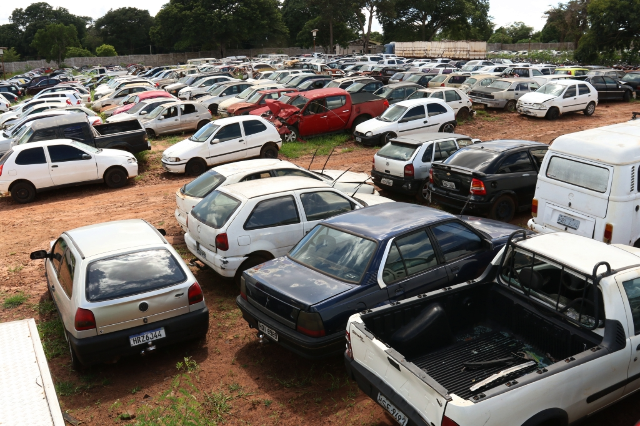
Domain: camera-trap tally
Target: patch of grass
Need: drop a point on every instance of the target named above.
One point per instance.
(175, 139)
(345, 150)
(217, 405)
(481, 112)
(15, 269)
(323, 144)
(142, 156)
(189, 365)
(140, 177)
(491, 118)
(136, 390)
(267, 402)
(52, 336)
(65, 388)
(14, 301)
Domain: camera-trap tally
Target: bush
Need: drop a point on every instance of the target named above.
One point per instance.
(106, 50)
(78, 52)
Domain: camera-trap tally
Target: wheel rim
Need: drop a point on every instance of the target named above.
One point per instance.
(503, 210)
(116, 178)
(425, 191)
(448, 128)
(270, 153)
(22, 193)
(591, 108)
(511, 107)
(290, 137)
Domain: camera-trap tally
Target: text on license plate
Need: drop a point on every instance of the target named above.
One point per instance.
(448, 184)
(358, 139)
(397, 414)
(387, 182)
(269, 332)
(200, 251)
(568, 221)
(147, 336)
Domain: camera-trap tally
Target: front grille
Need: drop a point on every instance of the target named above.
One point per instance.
(481, 95)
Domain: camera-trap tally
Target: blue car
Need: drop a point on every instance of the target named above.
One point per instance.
(360, 260)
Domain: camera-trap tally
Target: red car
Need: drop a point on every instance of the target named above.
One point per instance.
(143, 96)
(257, 100)
(323, 111)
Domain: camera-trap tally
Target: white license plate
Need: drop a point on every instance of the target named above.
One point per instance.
(448, 184)
(147, 336)
(358, 139)
(387, 182)
(397, 414)
(569, 222)
(269, 332)
(200, 251)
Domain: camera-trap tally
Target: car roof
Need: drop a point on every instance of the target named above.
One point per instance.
(61, 120)
(236, 119)
(566, 82)
(402, 84)
(422, 138)
(151, 93)
(18, 148)
(504, 145)
(615, 144)
(120, 235)
(260, 187)
(321, 93)
(422, 101)
(249, 166)
(436, 89)
(384, 221)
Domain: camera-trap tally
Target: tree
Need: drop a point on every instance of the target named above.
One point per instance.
(10, 55)
(500, 36)
(341, 34)
(10, 36)
(127, 29)
(566, 22)
(53, 40)
(377, 37)
(92, 39)
(519, 31)
(375, 8)
(475, 23)
(106, 50)
(78, 52)
(295, 14)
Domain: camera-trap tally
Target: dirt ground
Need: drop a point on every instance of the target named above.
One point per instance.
(230, 377)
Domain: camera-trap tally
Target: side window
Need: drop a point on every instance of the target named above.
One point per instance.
(515, 163)
(533, 86)
(486, 81)
(437, 95)
(315, 107)
(275, 212)
(188, 109)
(607, 80)
(64, 153)
(256, 176)
(456, 240)
(66, 272)
(31, 156)
(75, 132)
(417, 252)
(580, 72)
(394, 266)
(522, 87)
(253, 127)
(170, 112)
(428, 154)
(452, 95)
(632, 290)
(597, 80)
(334, 102)
(435, 109)
(296, 172)
(58, 253)
(408, 91)
(583, 89)
(536, 73)
(323, 205)
(538, 156)
(444, 150)
(228, 132)
(397, 94)
(414, 113)
(371, 87)
(571, 92)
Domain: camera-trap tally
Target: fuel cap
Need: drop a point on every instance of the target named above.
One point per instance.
(143, 306)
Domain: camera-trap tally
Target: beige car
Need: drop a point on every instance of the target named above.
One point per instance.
(175, 117)
(113, 99)
(448, 80)
(477, 81)
(503, 93)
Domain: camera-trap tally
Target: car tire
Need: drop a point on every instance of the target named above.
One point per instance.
(201, 124)
(590, 109)
(150, 133)
(627, 96)
(447, 128)
(116, 177)
(463, 114)
(385, 138)
(503, 209)
(269, 150)
(23, 192)
(423, 192)
(358, 121)
(195, 167)
(552, 114)
(76, 364)
(510, 106)
(247, 264)
(291, 137)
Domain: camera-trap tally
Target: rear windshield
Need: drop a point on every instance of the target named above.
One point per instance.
(132, 273)
(579, 174)
(472, 158)
(397, 151)
(203, 184)
(215, 209)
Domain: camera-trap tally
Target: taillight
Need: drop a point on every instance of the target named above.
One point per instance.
(78, 102)
(157, 84)
(310, 323)
(608, 233)
(386, 103)
(441, 84)
(349, 350)
(243, 288)
(430, 175)
(373, 162)
(68, 102)
(534, 208)
(195, 294)
(408, 170)
(84, 320)
(446, 421)
(222, 242)
(1, 166)
(477, 187)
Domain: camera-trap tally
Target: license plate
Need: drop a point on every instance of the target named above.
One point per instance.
(569, 222)
(387, 182)
(397, 414)
(200, 251)
(358, 139)
(448, 184)
(147, 336)
(269, 332)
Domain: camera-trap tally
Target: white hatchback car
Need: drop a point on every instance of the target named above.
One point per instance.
(559, 97)
(454, 97)
(239, 226)
(38, 166)
(121, 289)
(406, 118)
(221, 141)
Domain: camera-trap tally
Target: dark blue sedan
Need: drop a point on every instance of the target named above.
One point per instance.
(360, 260)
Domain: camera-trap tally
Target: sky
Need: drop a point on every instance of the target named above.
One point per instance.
(504, 12)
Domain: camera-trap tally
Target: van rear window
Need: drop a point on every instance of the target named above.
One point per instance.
(397, 151)
(580, 174)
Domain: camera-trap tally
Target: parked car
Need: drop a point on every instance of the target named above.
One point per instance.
(609, 88)
(199, 87)
(559, 97)
(576, 71)
(357, 261)
(406, 118)
(317, 83)
(455, 98)
(5, 104)
(503, 93)
(175, 117)
(477, 81)
(343, 83)
(632, 79)
(221, 141)
(140, 110)
(394, 93)
(16, 131)
(114, 100)
(10, 88)
(35, 108)
(399, 77)
(42, 84)
(31, 168)
(495, 179)
(383, 74)
(257, 100)
(495, 70)
(525, 72)
(81, 93)
(121, 289)
(136, 98)
(239, 226)
(300, 79)
(421, 78)
(119, 89)
(364, 85)
(222, 92)
(244, 95)
(555, 311)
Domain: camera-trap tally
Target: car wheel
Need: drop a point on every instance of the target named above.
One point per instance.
(201, 125)
(423, 192)
(358, 121)
(23, 192)
(447, 128)
(552, 114)
(503, 209)
(116, 178)
(387, 137)
(292, 136)
(269, 151)
(151, 133)
(247, 264)
(76, 364)
(195, 167)
(590, 109)
(463, 114)
(510, 106)
(627, 96)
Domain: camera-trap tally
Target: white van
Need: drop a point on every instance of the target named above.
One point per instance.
(588, 185)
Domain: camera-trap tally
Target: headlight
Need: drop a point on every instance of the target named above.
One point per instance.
(369, 134)
(132, 160)
(538, 106)
(173, 159)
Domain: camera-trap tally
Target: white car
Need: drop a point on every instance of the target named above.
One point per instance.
(81, 92)
(221, 141)
(559, 97)
(115, 98)
(175, 117)
(38, 166)
(454, 97)
(121, 289)
(239, 226)
(241, 171)
(4, 104)
(406, 118)
(33, 109)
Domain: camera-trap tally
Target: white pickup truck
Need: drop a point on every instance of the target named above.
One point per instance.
(548, 335)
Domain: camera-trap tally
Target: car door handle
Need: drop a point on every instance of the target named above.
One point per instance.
(425, 122)
(526, 174)
(455, 268)
(54, 166)
(324, 116)
(346, 110)
(241, 140)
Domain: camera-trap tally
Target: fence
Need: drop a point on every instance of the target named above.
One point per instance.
(530, 46)
(449, 49)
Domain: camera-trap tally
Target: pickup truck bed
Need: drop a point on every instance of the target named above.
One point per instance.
(128, 135)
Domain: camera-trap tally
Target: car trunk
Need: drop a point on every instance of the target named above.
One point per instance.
(392, 158)
(185, 202)
(454, 180)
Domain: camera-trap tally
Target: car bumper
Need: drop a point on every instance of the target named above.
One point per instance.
(225, 266)
(97, 349)
(540, 229)
(182, 219)
(306, 347)
(174, 167)
(478, 207)
(532, 112)
(372, 385)
(402, 185)
(369, 140)
(4, 186)
(491, 103)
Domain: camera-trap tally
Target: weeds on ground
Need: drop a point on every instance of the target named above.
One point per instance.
(175, 139)
(15, 269)
(142, 156)
(323, 145)
(45, 307)
(52, 337)
(14, 301)
(65, 388)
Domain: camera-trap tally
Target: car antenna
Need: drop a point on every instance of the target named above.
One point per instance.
(325, 163)
(336, 179)
(359, 185)
(312, 158)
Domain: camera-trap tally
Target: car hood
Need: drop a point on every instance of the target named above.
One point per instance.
(281, 109)
(239, 105)
(181, 148)
(353, 177)
(371, 199)
(493, 228)
(107, 153)
(536, 98)
(488, 90)
(374, 125)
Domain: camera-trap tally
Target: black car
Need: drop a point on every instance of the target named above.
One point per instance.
(421, 78)
(397, 92)
(633, 79)
(383, 74)
(609, 88)
(300, 78)
(366, 85)
(494, 179)
(10, 88)
(41, 85)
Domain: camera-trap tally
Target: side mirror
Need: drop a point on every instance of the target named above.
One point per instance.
(143, 113)
(86, 157)
(215, 141)
(161, 117)
(40, 254)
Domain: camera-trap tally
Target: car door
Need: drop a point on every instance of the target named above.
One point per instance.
(61, 272)
(629, 285)
(32, 164)
(518, 175)
(570, 99)
(520, 89)
(453, 99)
(228, 144)
(314, 118)
(614, 89)
(601, 87)
(321, 204)
(413, 121)
(337, 113)
(584, 95)
(188, 117)
(412, 266)
(170, 121)
(69, 164)
(256, 135)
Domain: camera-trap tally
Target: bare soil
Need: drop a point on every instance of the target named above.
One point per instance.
(237, 379)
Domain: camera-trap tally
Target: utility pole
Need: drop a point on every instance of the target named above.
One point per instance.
(314, 32)
(150, 50)
(2, 49)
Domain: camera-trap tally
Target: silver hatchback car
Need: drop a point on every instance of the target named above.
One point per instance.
(121, 289)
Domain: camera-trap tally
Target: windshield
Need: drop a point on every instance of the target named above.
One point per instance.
(137, 107)
(204, 133)
(184, 79)
(415, 78)
(255, 98)
(580, 174)
(470, 68)
(25, 137)
(299, 101)
(203, 184)
(335, 253)
(502, 85)
(438, 78)
(20, 131)
(472, 158)
(470, 81)
(333, 84)
(384, 91)
(392, 114)
(217, 90)
(156, 112)
(397, 151)
(246, 92)
(552, 89)
(355, 87)
(215, 209)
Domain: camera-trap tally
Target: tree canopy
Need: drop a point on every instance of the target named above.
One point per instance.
(52, 41)
(126, 29)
